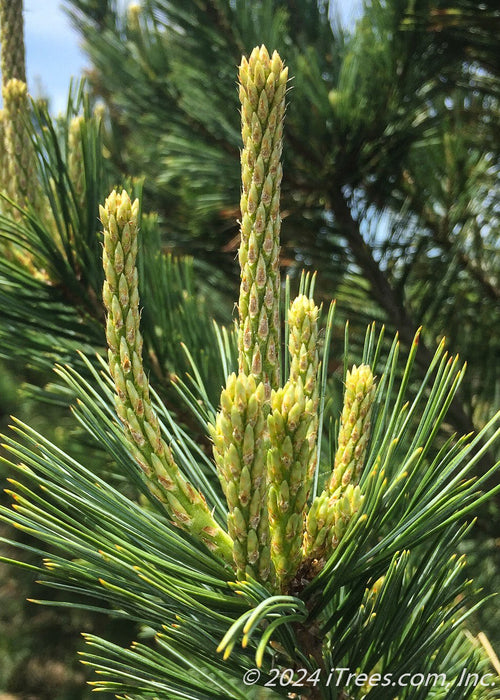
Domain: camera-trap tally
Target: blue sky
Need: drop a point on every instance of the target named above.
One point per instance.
(53, 54)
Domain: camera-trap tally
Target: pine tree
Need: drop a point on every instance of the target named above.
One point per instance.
(390, 188)
(382, 594)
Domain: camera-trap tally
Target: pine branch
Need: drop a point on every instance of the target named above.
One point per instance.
(388, 595)
(440, 231)
(387, 297)
(187, 507)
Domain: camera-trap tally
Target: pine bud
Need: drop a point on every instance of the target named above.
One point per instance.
(3, 156)
(240, 444)
(262, 95)
(12, 41)
(289, 475)
(354, 427)
(18, 146)
(331, 511)
(186, 506)
(76, 170)
(133, 17)
(303, 344)
(327, 521)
